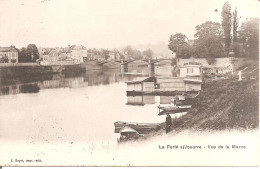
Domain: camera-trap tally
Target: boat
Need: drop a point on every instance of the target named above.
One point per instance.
(164, 112)
(129, 134)
(173, 109)
(142, 128)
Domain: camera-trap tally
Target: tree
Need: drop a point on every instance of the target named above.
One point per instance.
(226, 24)
(208, 40)
(105, 53)
(176, 41)
(235, 25)
(235, 44)
(22, 55)
(29, 54)
(148, 53)
(184, 51)
(137, 54)
(132, 53)
(32, 53)
(248, 36)
(4, 59)
(128, 50)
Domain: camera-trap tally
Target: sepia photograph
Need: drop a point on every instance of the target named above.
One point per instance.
(129, 83)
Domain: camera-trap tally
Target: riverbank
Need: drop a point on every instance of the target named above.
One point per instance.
(224, 104)
(36, 70)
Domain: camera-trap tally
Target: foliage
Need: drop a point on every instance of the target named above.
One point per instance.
(248, 36)
(3, 59)
(184, 51)
(148, 53)
(224, 104)
(105, 53)
(226, 24)
(208, 42)
(29, 54)
(235, 25)
(176, 41)
(132, 53)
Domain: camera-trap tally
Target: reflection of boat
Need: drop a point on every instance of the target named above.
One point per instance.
(142, 128)
(129, 134)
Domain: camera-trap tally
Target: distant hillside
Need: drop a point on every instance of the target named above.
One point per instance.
(160, 49)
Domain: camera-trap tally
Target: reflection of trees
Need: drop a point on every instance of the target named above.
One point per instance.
(102, 77)
(23, 79)
(4, 90)
(26, 84)
(19, 88)
(29, 88)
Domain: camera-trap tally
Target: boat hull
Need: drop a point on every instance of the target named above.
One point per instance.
(142, 128)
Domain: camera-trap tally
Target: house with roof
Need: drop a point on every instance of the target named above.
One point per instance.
(221, 65)
(141, 84)
(49, 58)
(189, 69)
(8, 54)
(79, 53)
(164, 84)
(93, 54)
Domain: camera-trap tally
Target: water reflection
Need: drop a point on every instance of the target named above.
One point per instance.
(147, 99)
(70, 80)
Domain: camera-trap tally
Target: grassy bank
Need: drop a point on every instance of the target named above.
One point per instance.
(223, 104)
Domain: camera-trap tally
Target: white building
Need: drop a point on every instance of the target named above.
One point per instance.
(221, 65)
(190, 69)
(9, 54)
(79, 53)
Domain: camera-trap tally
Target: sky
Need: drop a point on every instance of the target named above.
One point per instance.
(108, 23)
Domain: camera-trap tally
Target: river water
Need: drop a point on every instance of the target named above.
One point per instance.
(69, 120)
(71, 108)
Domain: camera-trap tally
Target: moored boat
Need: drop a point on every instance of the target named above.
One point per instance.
(175, 108)
(129, 134)
(142, 128)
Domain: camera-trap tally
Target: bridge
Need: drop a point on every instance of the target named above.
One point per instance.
(124, 63)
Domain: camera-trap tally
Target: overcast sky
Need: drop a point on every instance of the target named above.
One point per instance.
(107, 23)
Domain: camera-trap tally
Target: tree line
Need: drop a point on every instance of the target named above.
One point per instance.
(137, 54)
(213, 40)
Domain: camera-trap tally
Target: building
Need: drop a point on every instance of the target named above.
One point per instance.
(49, 58)
(79, 53)
(165, 84)
(114, 55)
(189, 69)
(8, 54)
(58, 56)
(141, 85)
(94, 54)
(221, 65)
(178, 84)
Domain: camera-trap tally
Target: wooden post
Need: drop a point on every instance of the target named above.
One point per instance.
(239, 76)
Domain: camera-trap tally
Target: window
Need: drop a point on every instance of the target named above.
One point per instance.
(189, 70)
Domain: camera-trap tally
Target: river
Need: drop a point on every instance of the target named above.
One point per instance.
(69, 120)
(71, 108)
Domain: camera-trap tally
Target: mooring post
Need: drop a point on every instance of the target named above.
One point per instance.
(239, 75)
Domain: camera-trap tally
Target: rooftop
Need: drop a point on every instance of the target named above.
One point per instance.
(8, 49)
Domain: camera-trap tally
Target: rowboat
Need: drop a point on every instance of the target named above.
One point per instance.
(175, 108)
(129, 134)
(141, 128)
